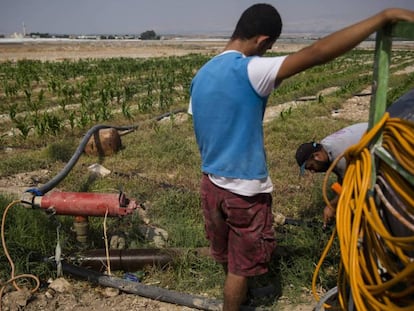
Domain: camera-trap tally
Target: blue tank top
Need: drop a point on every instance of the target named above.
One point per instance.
(228, 117)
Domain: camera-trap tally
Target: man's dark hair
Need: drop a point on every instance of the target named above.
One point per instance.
(258, 19)
(304, 151)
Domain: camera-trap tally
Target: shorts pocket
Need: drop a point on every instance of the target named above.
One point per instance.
(238, 212)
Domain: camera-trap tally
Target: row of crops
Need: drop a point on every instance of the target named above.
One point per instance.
(44, 98)
(47, 96)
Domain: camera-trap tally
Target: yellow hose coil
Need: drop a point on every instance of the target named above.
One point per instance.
(375, 268)
(13, 277)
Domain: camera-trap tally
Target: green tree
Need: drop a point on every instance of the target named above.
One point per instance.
(149, 35)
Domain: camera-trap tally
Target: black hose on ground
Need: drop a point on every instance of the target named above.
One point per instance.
(167, 114)
(148, 291)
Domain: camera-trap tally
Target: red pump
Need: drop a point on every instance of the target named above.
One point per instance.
(85, 204)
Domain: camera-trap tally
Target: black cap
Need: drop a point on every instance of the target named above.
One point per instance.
(305, 151)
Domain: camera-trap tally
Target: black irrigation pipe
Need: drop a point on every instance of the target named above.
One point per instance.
(149, 291)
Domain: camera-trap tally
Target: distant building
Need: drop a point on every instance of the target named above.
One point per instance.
(89, 37)
(17, 35)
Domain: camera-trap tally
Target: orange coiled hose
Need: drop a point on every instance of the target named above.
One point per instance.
(376, 267)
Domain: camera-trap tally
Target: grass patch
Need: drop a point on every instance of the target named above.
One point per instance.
(21, 161)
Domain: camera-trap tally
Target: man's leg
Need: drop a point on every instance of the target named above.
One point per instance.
(235, 291)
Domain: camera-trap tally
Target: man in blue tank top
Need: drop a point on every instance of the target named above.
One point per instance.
(228, 100)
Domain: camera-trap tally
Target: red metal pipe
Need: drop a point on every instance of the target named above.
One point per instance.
(86, 204)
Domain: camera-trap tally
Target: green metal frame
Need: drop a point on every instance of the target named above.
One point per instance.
(378, 105)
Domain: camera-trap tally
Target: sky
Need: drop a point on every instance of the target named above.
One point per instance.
(178, 16)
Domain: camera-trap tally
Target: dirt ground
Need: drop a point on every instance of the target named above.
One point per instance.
(81, 295)
(76, 49)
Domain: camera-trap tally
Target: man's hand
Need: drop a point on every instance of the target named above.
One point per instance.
(329, 212)
(328, 215)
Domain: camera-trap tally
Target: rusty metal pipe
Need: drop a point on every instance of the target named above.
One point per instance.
(124, 259)
(131, 260)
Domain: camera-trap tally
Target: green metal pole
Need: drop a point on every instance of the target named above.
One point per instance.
(381, 74)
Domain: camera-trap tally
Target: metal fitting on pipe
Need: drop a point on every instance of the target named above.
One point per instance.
(81, 229)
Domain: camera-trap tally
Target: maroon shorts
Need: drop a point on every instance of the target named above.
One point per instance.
(239, 228)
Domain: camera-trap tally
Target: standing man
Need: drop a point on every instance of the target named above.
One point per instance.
(228, 99)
